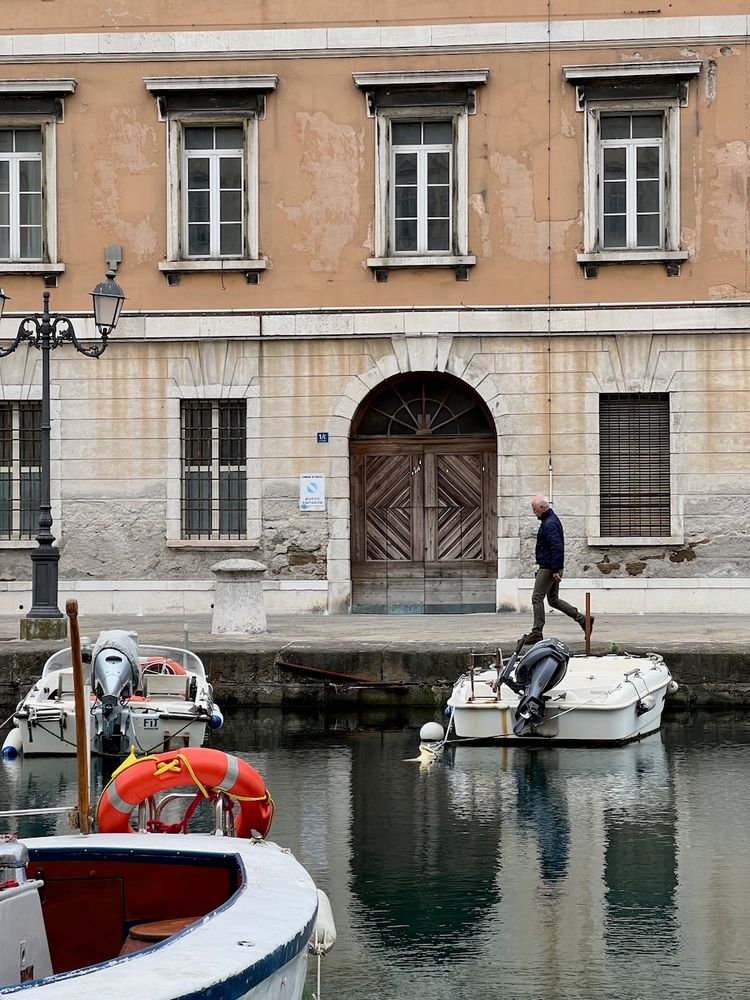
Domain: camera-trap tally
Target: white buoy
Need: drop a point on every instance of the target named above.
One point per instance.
(13, 744)
(431, 732)
(673, 687)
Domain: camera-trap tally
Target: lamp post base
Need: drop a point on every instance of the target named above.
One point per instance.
(44, 628)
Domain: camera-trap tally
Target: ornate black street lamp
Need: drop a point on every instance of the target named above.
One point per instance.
(46, 332)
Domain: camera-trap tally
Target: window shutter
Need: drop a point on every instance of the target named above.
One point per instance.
(634, 491)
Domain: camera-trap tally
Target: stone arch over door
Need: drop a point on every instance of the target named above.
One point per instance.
(423, 476)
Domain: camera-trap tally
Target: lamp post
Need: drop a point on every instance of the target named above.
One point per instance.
(45, 332)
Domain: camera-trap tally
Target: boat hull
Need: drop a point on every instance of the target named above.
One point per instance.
(601, 700)
(54, 733)
(253, 946)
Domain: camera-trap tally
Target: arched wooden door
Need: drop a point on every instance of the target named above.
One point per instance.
(424, 499)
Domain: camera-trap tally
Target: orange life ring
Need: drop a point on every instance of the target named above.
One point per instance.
(160, 665)
(209, 770)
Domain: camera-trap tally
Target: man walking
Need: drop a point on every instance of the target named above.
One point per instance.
(550, 557)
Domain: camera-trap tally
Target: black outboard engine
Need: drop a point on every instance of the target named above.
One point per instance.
(115, 677)
(537, 671)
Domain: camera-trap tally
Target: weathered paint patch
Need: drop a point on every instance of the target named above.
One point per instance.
(128, 141)
(524, 236)
(729, 197)
(332, 162)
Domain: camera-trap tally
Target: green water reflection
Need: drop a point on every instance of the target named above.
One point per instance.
(502, 872)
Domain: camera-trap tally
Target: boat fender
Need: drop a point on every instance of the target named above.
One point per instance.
(324, 932)
(673, 687)
(210, 771)
(13, 744)
(217, 719)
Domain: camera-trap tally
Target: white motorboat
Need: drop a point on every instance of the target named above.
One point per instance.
(546, 694)
(149, 697)
(193, 916)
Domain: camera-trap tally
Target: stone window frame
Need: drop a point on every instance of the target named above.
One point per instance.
(631, 88)
(186, 101)
(177, 390)
(38, 104)
(420, 96)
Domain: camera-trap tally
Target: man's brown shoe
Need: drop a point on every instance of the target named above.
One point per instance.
(533, 637)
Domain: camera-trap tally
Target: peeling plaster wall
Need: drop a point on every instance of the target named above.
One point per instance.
(288, 341)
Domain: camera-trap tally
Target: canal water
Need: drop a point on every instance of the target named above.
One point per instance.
(517, 873)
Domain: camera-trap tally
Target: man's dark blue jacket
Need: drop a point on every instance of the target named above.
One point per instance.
(550, 542)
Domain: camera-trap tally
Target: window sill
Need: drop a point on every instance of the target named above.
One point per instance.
(670, 258)
(18, 543)
(635, 541)
(210, 543)
(30, 267)
(173, 269)
(381, 265)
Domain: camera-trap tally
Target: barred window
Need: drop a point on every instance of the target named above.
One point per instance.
(20, 469)
(214, 468)
(634, 497)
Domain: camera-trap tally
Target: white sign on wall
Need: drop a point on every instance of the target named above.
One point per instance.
(312, 491)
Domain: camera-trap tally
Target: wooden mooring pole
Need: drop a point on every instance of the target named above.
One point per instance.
(588, 623)
(82, 743)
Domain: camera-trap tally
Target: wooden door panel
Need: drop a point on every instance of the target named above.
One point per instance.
(424, 527)
(455, 521)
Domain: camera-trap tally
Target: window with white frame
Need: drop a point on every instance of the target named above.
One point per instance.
(21, 194)
(631, 172)
(421, 217)
(20, 469)
(634, 465)
(213, 217)
(631, 163)
(212, 165)
(214, 468)
(30, 111)
(421, 159)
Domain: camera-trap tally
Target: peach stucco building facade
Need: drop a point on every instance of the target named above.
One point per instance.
(386, 279)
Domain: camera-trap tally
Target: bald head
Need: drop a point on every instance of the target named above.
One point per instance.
(539, 504)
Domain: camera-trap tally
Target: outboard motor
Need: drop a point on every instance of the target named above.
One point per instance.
(115, 675)
(537, 671)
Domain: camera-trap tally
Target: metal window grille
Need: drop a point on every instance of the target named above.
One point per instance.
(20, 469)
(214, 468)
(634, 496)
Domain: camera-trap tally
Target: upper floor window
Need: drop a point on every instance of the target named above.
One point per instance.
(634, 466)
(214, 468)
(20, 468)
(422, 180)
(30, 112)
(212, 182)
(20, 194)
(632, 161)
(214, 185)
(422, 173)
(632, 181)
